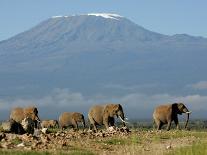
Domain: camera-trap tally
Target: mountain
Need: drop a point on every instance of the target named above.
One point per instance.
(100, 54)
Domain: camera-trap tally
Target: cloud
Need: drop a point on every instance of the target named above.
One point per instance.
(135, 104)
(201, 85)
(129, 87)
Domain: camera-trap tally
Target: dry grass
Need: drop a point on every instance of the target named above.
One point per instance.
(141, 142)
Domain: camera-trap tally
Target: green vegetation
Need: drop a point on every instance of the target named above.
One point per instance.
(16, 141)
(17, 152)
(53, 130)
(115, 141)
(195, 149)
(141, 140)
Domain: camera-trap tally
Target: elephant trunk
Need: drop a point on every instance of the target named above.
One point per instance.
(188, 114)
(37, 122)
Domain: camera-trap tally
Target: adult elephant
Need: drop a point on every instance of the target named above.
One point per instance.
(104, 115)
(67, 119)
(18, 114)
(165, 114)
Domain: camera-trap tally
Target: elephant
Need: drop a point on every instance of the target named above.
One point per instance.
(67, 119)
(165, 114)
(18, 114)
(12, 126)
(104, 115)
(49, 124)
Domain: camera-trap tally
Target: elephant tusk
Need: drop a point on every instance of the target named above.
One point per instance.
(189, 112)
(122, 120)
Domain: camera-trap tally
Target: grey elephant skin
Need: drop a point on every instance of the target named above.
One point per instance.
(166, 114)
(67, 119)
(104, 115)
(18, 114)
(49, 124)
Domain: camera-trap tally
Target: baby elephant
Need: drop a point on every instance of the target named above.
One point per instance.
(67, 119)
(165, 114)
(49, 124)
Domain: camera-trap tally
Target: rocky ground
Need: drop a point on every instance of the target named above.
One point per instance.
(114, 140)
(55, 140)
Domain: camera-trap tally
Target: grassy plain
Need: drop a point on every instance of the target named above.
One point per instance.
(140, 141)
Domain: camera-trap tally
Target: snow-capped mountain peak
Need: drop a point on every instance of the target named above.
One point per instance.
(106, 15)
(59, 16)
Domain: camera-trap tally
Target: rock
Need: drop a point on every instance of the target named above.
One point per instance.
(12, 127)
(10, 136)
(2, 136)
(111, 129)
(7, 145)
(37, 132)
(6, 126)
(45, 139)
(168, 147)
(21, 145)
(44, 130)
(124, 129)
(90, 131)
(28, 148)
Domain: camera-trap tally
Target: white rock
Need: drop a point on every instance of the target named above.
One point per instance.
(21, 145)
(44, 130)
(111, 128)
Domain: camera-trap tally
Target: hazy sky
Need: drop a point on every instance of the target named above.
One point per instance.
(163, 16)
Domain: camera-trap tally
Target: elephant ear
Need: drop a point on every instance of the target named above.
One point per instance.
(181, 106)
(35, 111)
(116, 107)
(177, 108)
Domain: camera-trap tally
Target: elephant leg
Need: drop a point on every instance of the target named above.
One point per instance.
(95, 128)
(111, 121)
(159, 124)
(106, 121)
(89, 124)
(177, 123)
(168, 125)
(61, 127)
(106, 124)
(75, 126)
(92, 123)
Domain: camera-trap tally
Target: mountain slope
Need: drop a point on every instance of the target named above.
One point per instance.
(89, 53)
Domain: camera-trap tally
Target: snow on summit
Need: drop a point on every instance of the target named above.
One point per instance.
(104, 15)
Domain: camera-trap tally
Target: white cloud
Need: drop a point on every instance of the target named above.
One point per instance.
(134, 103)
(200, 85)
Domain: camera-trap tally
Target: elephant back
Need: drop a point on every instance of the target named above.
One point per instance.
(78, 117)
(96, 113)
(162, 112)
(65, 119)
(17, 114)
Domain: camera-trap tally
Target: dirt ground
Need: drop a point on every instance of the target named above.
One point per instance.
(117, 141)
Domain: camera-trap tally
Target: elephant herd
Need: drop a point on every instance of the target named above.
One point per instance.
(100, 115)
